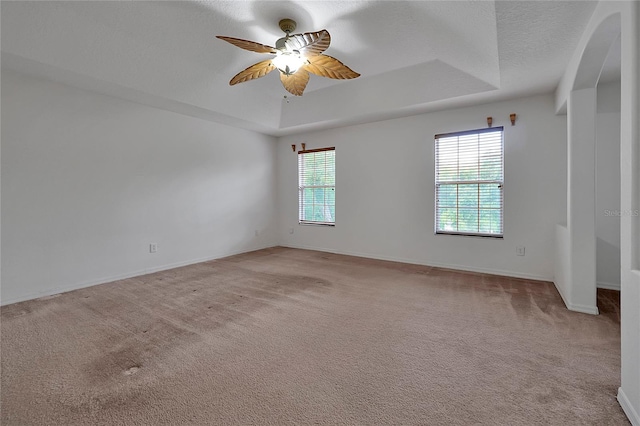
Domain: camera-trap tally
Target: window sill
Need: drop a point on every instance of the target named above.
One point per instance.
(317, 223)
(462, 234)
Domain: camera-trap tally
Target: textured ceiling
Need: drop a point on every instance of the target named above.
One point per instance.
(414, 56)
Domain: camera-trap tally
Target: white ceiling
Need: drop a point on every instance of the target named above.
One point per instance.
(414, 56)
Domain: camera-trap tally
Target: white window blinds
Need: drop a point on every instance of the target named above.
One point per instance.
(469, 182)
(317, 186)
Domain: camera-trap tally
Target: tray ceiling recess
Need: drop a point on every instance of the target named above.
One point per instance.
(414, 56)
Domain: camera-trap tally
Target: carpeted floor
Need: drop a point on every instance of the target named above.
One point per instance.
(285, 336)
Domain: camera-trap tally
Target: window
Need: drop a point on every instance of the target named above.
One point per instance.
(317, 186)
(469, 182)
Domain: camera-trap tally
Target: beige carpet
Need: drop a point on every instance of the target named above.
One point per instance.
(284, 336)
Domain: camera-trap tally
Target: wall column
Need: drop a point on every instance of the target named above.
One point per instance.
(581, 223)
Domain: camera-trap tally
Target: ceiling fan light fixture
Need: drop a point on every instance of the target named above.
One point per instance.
(288, 62)
(296, 56)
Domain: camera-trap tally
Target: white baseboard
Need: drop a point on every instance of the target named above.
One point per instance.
(131, 274)
(608, 286)
(564, 299)
(585, 309)
(433, 264)
(628, 409)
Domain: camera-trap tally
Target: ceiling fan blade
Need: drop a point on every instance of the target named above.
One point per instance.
(248, 45)
(309, 44)
(254, 71)
(295, 83)
(328, 66)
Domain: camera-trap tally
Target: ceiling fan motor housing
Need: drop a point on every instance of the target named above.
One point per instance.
(287, 25)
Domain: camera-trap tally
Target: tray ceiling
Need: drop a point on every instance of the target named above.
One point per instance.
(414, 56)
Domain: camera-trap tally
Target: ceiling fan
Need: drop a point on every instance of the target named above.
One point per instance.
(297, 55)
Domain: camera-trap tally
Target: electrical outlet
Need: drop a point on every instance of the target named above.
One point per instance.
(153, 248)
(291, 230)
(257, 233)
(520, 251)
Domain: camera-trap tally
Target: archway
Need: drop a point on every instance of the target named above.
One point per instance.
(576, 242)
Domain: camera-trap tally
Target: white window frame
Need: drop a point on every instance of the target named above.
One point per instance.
(302, 202)
(457, 182)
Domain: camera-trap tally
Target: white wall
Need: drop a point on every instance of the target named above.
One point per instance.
(608, 186)
(629, 393)
(385, 190)
(88, 181)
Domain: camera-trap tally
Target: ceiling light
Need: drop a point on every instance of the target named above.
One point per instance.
(288, 62)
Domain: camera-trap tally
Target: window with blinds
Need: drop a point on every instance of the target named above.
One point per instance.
(469, 183)
(317, 186)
